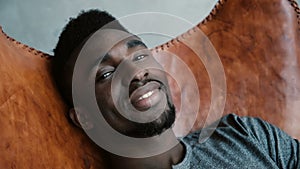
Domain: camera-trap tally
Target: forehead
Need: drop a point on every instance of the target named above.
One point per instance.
(102, 41)
(105, 41)
(125, 47)
(98, 45)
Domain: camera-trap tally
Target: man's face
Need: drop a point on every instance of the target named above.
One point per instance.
(130, 82)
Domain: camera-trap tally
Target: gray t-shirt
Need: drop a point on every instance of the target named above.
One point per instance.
(241, 142)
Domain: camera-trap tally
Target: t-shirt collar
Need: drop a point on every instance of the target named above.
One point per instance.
(185, 163)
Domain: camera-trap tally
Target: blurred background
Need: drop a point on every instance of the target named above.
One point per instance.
(38, 23)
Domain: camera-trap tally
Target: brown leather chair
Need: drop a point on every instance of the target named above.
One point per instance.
(258, 44)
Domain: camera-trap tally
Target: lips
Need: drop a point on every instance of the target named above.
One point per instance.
(145, 96)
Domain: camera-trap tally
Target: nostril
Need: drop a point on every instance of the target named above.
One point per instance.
(141, 75)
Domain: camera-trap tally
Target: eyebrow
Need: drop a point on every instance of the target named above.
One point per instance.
(134, 43)
(106, 57)
(130, 44)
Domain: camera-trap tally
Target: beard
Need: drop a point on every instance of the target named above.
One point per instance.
(149, 129)
(156, 127)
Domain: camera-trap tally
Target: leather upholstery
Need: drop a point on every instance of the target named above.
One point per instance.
(34, 131)
(258, 44)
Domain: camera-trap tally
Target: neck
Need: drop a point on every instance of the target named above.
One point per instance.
(161, 161)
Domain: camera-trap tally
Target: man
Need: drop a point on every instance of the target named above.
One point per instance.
(130, 86)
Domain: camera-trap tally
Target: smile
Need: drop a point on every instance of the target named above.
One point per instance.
(146, 96)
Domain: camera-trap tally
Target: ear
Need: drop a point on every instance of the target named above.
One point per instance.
(80, 118)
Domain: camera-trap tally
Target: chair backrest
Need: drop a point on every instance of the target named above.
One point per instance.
(258, 44)
(34, 131)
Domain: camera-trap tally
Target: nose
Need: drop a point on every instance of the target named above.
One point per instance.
(140, 75)
(132, 73)
(138, 80)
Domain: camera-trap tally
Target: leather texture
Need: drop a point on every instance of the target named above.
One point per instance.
(34, 130)
(258, 44)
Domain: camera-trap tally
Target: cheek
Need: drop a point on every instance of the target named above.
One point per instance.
(105, 102)
(103, 95)
(108, 109)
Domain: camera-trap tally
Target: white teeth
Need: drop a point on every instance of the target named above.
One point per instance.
(148, 94)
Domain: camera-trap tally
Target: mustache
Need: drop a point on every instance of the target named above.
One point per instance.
(134, 84)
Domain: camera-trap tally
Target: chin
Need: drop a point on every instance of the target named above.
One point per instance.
(156, 127)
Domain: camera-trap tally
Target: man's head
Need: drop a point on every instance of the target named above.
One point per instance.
(73, 35)
(127, 79)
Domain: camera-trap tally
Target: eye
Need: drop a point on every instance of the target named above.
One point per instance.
(140, 57)
(103, 75)
(106, 75)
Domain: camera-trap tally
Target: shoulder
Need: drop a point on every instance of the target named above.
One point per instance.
(252, 138)
(237, 126)
(233, 119)
(230, 125)
(250, 124)
(256, 127)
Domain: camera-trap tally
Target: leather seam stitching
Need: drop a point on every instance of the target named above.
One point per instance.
(297, 10)
(25, 47)
(213, 12)
(172, 42)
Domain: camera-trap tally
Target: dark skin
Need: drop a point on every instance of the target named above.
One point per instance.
(146, 91)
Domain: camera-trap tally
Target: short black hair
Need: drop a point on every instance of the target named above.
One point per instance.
(73, 34)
